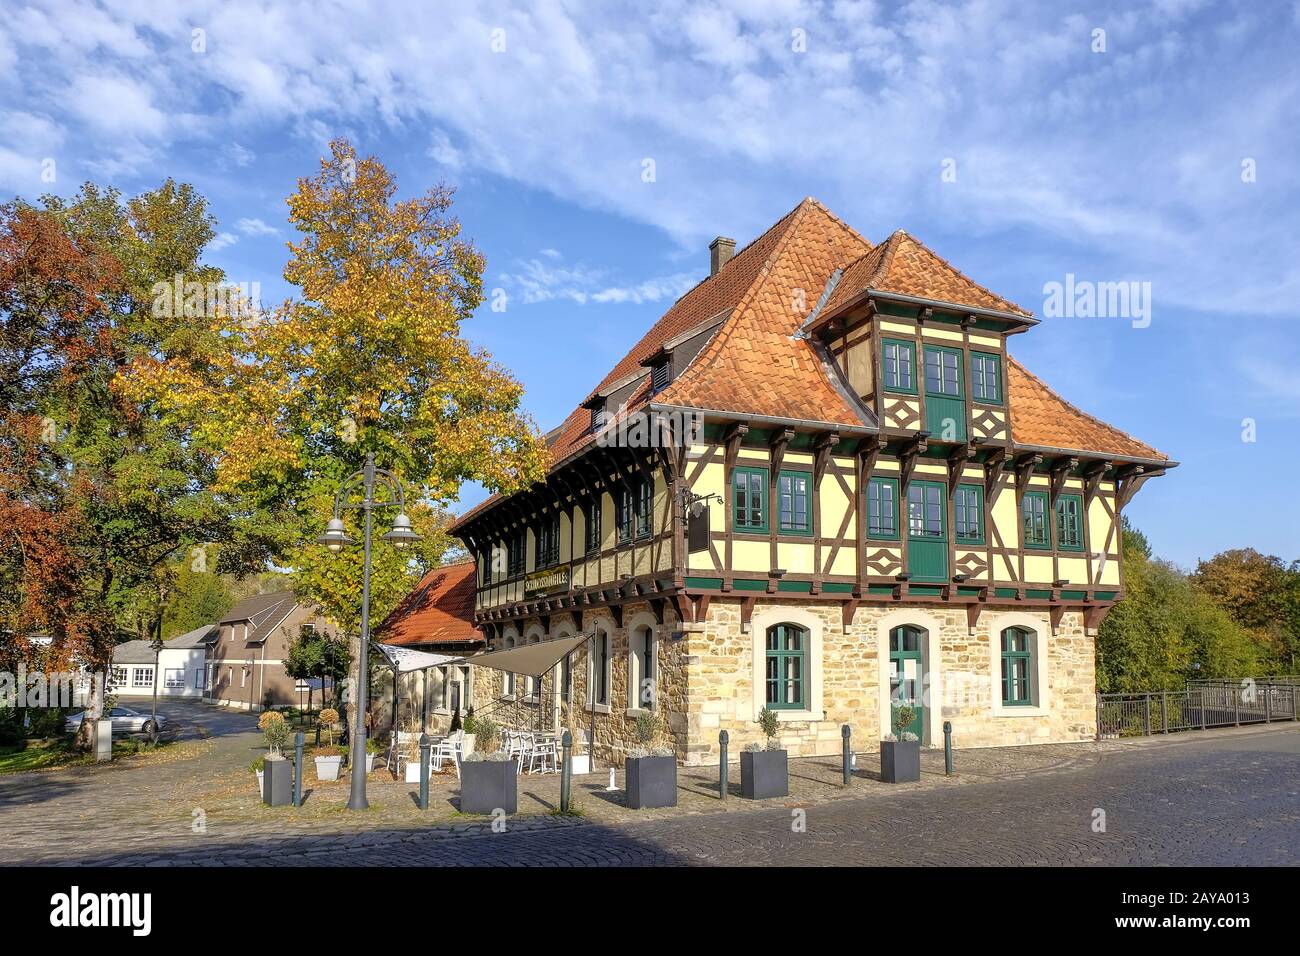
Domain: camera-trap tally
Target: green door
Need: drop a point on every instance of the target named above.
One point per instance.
(945, 405)
(927, 531)
(906, 678)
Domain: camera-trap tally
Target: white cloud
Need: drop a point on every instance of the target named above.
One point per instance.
(536, 281)
(1131, 155)
(221, 241)
(255, 227)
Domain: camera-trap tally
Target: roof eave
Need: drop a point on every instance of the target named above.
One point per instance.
(1013, 318)
(1093, 453)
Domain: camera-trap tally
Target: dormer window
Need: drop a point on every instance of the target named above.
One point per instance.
(597, 416)
(660, 376)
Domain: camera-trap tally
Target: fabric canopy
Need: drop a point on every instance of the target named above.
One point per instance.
(406, 659)
(532, 660)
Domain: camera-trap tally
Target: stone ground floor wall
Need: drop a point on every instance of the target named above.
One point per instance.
(710, 677)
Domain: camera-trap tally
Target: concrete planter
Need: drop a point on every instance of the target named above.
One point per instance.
(487, 786)
(370, 762)
(651, 782)
(277, 781)
(764, 774)
(327, 768)
(900, 761)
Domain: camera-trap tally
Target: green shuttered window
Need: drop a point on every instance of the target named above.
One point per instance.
(882, 508)
(1034, 515)
(986, 377)
(1069, 522)
(968, 514)
(1017, 666)
(794, 502)
(787, 666)
(749, 505)
(900, 364)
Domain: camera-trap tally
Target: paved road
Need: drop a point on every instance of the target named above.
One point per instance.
(1231, 800)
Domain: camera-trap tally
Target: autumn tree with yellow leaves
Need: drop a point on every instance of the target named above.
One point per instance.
(370, 358)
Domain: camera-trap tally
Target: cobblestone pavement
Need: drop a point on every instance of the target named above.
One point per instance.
(1229, 797)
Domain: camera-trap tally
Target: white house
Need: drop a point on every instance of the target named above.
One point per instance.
(180, 666)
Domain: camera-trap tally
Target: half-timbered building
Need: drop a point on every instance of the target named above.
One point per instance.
(822, 484)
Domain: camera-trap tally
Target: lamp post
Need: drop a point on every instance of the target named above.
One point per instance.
(157, 645)
(336, 538)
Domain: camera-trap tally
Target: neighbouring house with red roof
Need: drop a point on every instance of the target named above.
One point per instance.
(436, 618)
(819, 484)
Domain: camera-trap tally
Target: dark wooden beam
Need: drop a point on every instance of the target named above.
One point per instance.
(1024, 471)
(957, 459)
(1060, 471)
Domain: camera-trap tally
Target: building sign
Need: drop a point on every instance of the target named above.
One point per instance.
(545, 582)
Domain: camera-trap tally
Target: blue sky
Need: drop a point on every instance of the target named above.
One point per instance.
(1167, 157)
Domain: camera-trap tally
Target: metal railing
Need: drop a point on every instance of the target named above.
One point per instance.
(1202, 705)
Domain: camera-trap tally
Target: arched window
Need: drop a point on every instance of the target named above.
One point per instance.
(642, 673)
(787, 667)
(1017, 667)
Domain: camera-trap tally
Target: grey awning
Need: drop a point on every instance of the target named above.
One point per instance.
(532, 660)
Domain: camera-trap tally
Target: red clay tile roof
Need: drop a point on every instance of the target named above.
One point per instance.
(755, 364)
(1041, 417)
(438, 611)
(903, 265)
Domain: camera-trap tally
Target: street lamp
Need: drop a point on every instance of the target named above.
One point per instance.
(336, 538)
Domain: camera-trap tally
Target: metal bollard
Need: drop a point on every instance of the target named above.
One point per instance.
(298, 741)
(424, 771)
(566, 771)
(848, 754)
(722, 764)
(947, 747)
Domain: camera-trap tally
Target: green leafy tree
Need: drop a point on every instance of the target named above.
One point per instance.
(98, 495)
(1165, 631)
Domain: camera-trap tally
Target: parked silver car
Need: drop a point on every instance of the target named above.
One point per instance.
(125, 721)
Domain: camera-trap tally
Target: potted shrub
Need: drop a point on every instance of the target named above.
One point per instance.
(489, 779)
(764, 770)
(900, 752)
(651, 772)
(276, 777)
(328, 756)
(256, 767)
(373, 748)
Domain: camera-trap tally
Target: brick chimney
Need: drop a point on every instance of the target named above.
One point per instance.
(720, 250)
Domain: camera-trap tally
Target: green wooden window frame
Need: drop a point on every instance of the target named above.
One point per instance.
(925, 510)
(986, 378)
(942, 371)
(1017, 667)
(749, 500)
(1035, 528)
(516, 560)
(882, 509)
(786, 667)
(591, 530)
(645, 495)
(794, 502)
(898, 359)
(968, 514)
(1069, 522)
(546, 544)
(624, 518)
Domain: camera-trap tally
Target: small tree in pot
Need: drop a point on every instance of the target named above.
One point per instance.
(651, 771)
(276, 773)
(489, 778)
(764, 770)
(328, 756)
(900, 752)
